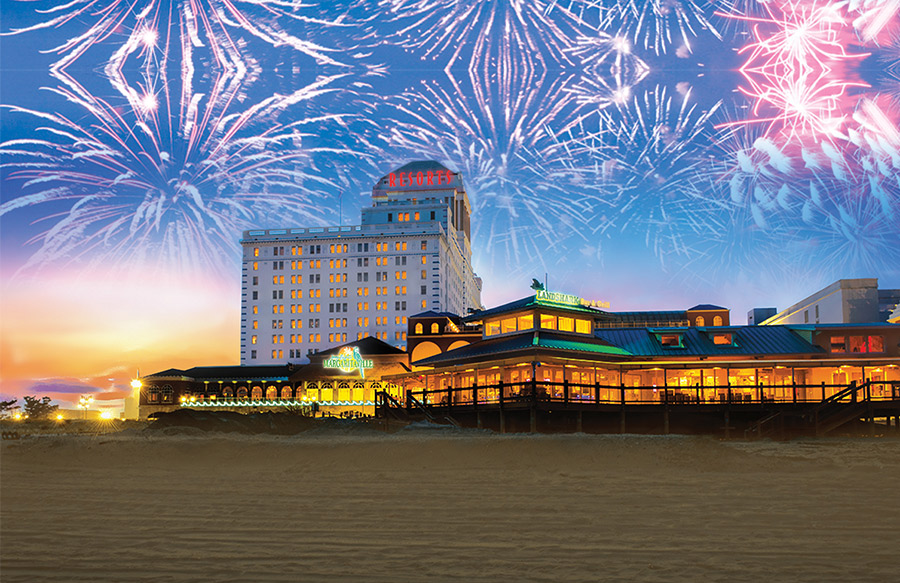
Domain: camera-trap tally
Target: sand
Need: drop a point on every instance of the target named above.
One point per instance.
(447, 506)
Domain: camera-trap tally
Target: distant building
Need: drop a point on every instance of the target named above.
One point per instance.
(888, 304)
(305, 290)
(846, 301)
(757, 316)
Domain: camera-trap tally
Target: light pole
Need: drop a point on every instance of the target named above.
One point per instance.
(84, 403)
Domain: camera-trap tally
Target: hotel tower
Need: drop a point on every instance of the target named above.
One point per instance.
(308, 289)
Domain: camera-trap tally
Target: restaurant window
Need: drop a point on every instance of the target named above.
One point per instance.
(701, 321)
(548, 322)
(717, 320)
(583, 326)
(566, 324)
(492, 327)
(857, 344)
(839, 344)
(876, 343)
(419, 328)
(526, 322)
(508, 325)
(435, 328)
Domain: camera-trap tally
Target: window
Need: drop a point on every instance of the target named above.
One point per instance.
(717, 320)
(566, 324)
(425, 243)
(390, 217)
(723, 339)
(670, 340)
(256, 251)
(857, 344)
(492, 327)
(838, 344)
(435, 329)
(876, 343)
(700, 321)
(548, 322)
(583, 326)
(508, 325)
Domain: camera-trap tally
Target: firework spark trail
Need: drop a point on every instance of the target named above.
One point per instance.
(654, 152)
(167, 173)
(657, 25)
(536, 30)
(820, 151)
(797, 70)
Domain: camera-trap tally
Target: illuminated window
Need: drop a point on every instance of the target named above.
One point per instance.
(255, 324)
(419, 328)
(255, 309)
(717, 320)
(253, 340)
(700, 321)
(583, 326)
(424, 304)
(435, 328)
(492, 328)
(548, 322)
(724, 339)
(256, 251)
(566, 324)
(416, 218)
(508, 325)
(670, 340)
(255, 265)
(876, 343)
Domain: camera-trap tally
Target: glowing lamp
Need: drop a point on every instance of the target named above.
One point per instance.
(136, 384)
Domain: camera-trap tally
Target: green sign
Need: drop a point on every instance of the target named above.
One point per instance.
(348, 360)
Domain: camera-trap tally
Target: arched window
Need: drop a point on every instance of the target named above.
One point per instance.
(419, 328)
(285, 393)
(717, 321)
(700, 321)
(168, 395)
(153, 394)
(242, 393)
(227, 393)
(271, 394)
(435, 328)
(256, 394)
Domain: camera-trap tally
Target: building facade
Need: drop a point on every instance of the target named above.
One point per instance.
(846, 301)
(305, 290)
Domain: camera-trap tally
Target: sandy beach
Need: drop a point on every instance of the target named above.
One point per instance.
(436, 505)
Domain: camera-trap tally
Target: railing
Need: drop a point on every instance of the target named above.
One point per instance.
(566, 393)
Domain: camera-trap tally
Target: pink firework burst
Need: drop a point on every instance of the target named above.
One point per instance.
(798, 69)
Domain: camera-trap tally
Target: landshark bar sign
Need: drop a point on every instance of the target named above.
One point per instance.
(348, 360)
(561, 299)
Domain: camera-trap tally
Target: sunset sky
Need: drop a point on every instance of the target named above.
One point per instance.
(654, 155)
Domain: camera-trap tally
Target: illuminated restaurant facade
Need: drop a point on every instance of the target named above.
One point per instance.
(340, 381)
(576, 351)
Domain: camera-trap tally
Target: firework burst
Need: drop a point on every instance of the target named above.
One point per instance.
(186, 151)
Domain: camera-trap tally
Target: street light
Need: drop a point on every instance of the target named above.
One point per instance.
(84, 403)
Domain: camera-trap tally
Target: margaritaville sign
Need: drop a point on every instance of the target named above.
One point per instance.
(348, 360)
(561, 299)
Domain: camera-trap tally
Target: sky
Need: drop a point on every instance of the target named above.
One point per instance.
(655, 155)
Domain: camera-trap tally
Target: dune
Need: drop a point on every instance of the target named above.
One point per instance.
(441, 505)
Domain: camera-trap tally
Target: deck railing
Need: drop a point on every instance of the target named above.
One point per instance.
(573, 393)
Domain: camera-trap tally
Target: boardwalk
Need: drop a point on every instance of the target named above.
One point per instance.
(729, 411)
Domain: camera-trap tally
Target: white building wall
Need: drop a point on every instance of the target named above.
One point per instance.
(846, 301)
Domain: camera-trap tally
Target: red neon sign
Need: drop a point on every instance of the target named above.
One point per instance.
(420, 178)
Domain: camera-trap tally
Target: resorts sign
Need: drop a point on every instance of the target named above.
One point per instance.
(348, 360)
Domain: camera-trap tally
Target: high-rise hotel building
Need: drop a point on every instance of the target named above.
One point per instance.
(308, 289)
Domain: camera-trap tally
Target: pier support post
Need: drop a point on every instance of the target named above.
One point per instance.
(502, 422)
(622, 409)
(533, 419)
(579, 425)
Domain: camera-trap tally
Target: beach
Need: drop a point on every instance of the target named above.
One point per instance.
(446, 505)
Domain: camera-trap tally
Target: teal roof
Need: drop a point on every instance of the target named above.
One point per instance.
(530, 302)
(747, 340)
(508, 346)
